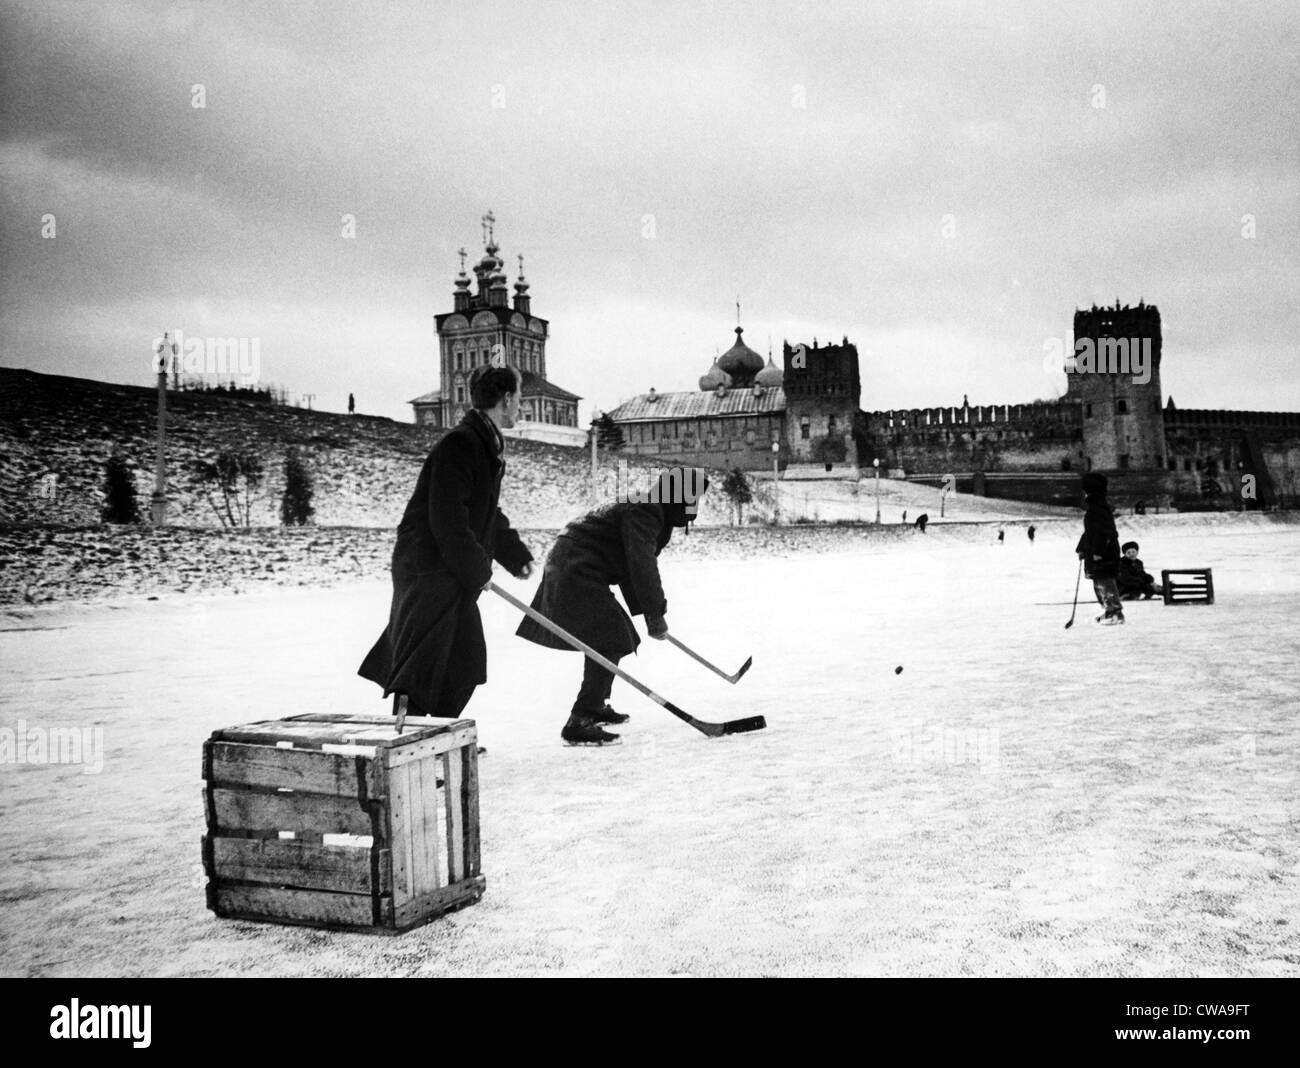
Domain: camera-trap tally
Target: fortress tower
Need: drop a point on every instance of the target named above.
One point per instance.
(822, 389)
(1116, 381)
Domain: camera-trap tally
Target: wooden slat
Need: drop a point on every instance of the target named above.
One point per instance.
(455, 816)
(467, 734)
(247, 810)
(382, 728)
(430, 825)
(315, 907)
(298, 864)
(439, 900)
(303, 770)
(399, 813)
(438, 855)
(469, 801)
(303, 735)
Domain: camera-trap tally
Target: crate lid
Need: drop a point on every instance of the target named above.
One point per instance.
(330, 728)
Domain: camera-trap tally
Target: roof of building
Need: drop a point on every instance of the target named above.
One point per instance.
(694, 405)
(534, 385)
(740, 359)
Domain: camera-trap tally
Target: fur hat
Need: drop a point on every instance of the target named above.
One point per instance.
(1094, 484)
(1129, 545)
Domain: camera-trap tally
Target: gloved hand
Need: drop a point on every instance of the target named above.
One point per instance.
(658, 628)
(525, 572)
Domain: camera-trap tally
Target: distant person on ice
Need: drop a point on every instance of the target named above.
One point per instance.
(1133, 580)
(432, 654)
(614, 545)
(921, 520)
(1099, 547)
(1002, 535)
(1030, 532)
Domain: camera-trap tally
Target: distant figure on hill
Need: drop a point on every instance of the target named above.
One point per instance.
(904, 515)
(921, 520)
(1030, 532)
(352, 405)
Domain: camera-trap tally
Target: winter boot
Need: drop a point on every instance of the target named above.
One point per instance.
(608, 715)
(583, 730)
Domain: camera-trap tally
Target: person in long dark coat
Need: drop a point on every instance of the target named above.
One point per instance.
(1098, 548)
(432, 654)
(614, 545)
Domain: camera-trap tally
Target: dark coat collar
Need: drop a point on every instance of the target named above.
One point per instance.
(486, 429)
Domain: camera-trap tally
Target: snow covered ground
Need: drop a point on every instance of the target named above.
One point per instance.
(1021, 800)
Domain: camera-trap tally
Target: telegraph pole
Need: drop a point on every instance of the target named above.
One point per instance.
(876, 463)
(776, 486)
(158, 502)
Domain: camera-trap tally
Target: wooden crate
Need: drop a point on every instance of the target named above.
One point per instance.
(1188, 585)
(338, 821)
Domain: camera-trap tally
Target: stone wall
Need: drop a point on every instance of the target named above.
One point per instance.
(1041, 437)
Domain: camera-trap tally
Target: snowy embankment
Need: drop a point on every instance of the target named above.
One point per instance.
(44, 565)
(1020, 800)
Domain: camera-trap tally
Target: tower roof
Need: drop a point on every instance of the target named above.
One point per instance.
(771, 375)
(740, 361)
(713, 378)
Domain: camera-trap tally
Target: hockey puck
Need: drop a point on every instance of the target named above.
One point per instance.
(898, 670)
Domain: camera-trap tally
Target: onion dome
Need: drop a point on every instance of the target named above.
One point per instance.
(715, 377)
(740, 361)
(770, 376)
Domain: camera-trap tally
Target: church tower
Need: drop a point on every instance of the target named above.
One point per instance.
(484, 327)
(481, 325)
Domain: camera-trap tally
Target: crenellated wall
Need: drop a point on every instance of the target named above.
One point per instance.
(1226, 458)
(1035, 437)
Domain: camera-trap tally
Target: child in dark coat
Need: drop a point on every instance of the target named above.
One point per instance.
(614, 545)
(1134, 582)
(1099, 548)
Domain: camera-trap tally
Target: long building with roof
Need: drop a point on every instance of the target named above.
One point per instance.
(744, 406)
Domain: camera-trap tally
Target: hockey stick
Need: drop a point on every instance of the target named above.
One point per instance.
(713, 730)
(733, 679)
(1077, 579)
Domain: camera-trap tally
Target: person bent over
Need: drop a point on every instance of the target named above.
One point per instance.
(1133, 580)
(614, 545)
(1098, 548)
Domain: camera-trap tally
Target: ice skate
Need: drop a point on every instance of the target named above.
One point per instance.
(584, 730)
(608, 715)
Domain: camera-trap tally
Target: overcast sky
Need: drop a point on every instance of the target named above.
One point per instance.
(936, 181)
